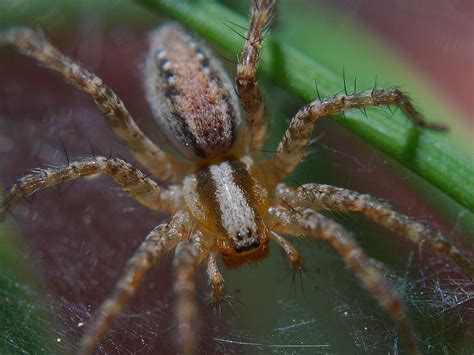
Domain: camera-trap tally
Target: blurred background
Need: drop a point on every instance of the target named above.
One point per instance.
(434, 36)
(65, 248)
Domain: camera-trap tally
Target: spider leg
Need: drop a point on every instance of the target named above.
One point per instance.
(188, 255)
(292, 254)
(261, 16)
(159, 241)
(35, 45)
(218, 298)
(143, 189)
(308, 222)
(326, 197)
(291, 149)
(215, 279)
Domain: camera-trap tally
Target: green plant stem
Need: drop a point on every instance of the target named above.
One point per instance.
(428, 154)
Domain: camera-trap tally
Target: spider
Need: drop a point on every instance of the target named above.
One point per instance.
(224, 203)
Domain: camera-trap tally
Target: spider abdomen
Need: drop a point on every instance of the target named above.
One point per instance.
(230, 205)
(190, 94)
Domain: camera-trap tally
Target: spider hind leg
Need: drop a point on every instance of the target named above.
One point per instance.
(261, 17)
(35, 45)
(291, 149)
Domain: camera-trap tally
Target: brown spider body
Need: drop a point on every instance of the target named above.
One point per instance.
(191, 96)
(194, 102)
(226, 202)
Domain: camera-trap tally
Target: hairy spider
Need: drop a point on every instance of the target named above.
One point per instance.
(224, 203)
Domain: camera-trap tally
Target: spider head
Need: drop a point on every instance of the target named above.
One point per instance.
(245, 239)
(243, 246)
(228, 202)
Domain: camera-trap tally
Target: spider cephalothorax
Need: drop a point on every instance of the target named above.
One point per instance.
(230, 204)
(224, 202)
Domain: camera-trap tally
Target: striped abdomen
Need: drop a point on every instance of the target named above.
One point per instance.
(229, 205)
(190, 94)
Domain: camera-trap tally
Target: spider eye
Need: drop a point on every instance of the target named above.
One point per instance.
(245, 240)
(244, 234)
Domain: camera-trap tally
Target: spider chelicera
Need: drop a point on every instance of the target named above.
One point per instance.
(223, 202)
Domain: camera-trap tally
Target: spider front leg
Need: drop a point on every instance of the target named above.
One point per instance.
(35, 45)
(143, 189)
(291, 149)
(292, 254)
(217, 298)
(326, 197)
(188, 255)
(300, 221)
(261, 16)
(215, 279)
(159, 241)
